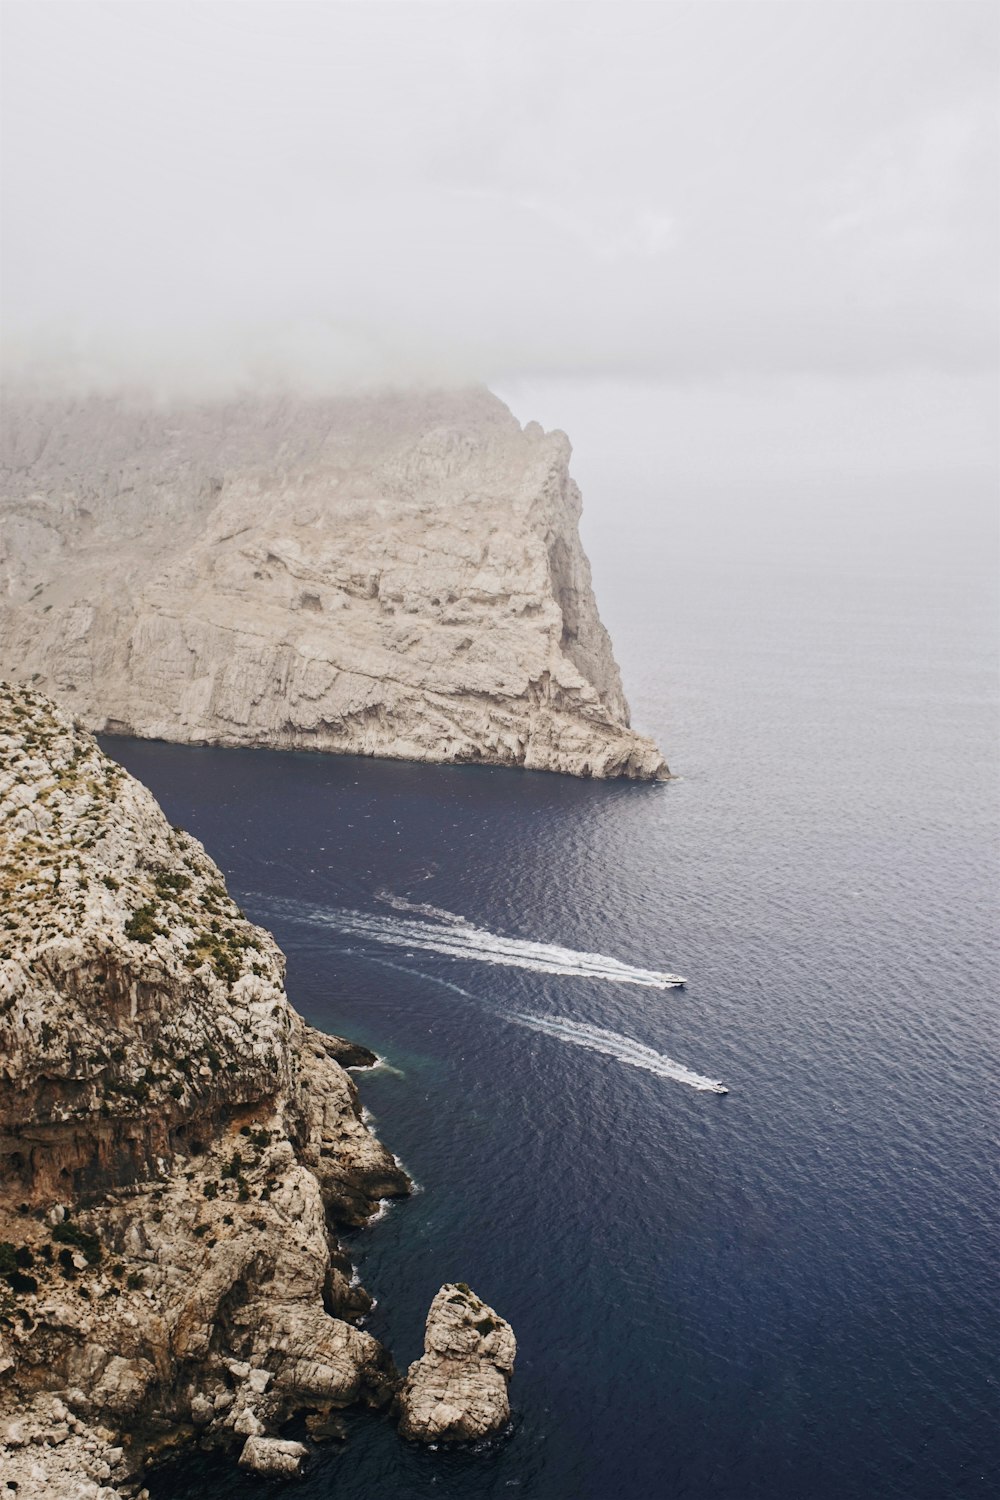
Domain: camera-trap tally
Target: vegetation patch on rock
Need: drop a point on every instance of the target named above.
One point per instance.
(176, 1146)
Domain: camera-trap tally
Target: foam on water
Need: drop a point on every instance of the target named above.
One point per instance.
(438, 931)
(623, 1048)
(422, 909)
(444, 984)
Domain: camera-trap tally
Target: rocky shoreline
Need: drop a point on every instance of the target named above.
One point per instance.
(178, 1150)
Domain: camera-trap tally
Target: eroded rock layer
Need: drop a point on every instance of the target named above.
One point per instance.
(398, 576)
(177, 1148)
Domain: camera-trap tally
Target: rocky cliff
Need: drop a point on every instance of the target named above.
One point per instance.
(177, 1148)
(394, 575)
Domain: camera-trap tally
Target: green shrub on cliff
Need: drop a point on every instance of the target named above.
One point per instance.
(170, 882)
(141, 926)
(225, 966)
(68, 1233)
(19, 1282)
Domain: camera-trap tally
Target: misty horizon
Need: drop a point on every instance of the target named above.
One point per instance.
(205, 197)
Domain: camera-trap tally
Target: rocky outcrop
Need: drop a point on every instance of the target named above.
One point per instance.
(48, 1453)
(397, 576)
(273, 1457)
(457, 1390)
(177, 1148)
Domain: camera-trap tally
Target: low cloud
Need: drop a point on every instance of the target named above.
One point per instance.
(204, 196)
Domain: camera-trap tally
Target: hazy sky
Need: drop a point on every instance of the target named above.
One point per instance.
(663, 191)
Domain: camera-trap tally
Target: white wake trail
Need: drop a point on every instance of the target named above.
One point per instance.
(422, 909)
(595, 1039)
(444, 932)
(454, 937)
(579, 1034)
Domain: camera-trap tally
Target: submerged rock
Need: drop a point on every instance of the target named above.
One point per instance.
(457, 1390)
(324, 1424)
(394, 575)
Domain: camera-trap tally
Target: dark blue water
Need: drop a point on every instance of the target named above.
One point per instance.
(784, 1292)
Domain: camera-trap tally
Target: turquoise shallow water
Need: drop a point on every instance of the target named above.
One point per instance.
(785, 1291)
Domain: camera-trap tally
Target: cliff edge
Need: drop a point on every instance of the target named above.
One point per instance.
(177, 1147)
(388, 575)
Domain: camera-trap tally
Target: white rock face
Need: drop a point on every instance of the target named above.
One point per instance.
(397, 575)
(457, 1390)
(176, 1145)
(46, 1454)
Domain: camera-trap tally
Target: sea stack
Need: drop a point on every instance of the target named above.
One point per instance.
(177, 1147)
(394, 575)
(457, 1390)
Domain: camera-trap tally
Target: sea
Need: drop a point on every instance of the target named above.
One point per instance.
(785, 1291)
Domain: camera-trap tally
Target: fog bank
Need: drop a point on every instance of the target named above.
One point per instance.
(198, 197)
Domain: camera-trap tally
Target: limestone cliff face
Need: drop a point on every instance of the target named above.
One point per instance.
(177, 1148)
(457, 1390)
(398, 576)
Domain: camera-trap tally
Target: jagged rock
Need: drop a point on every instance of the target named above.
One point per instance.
(348, 1054)
(457, 1390)
(390, 575)
(202, 1409)
(273, 1457)
(42, 1457)
(176, 1145)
